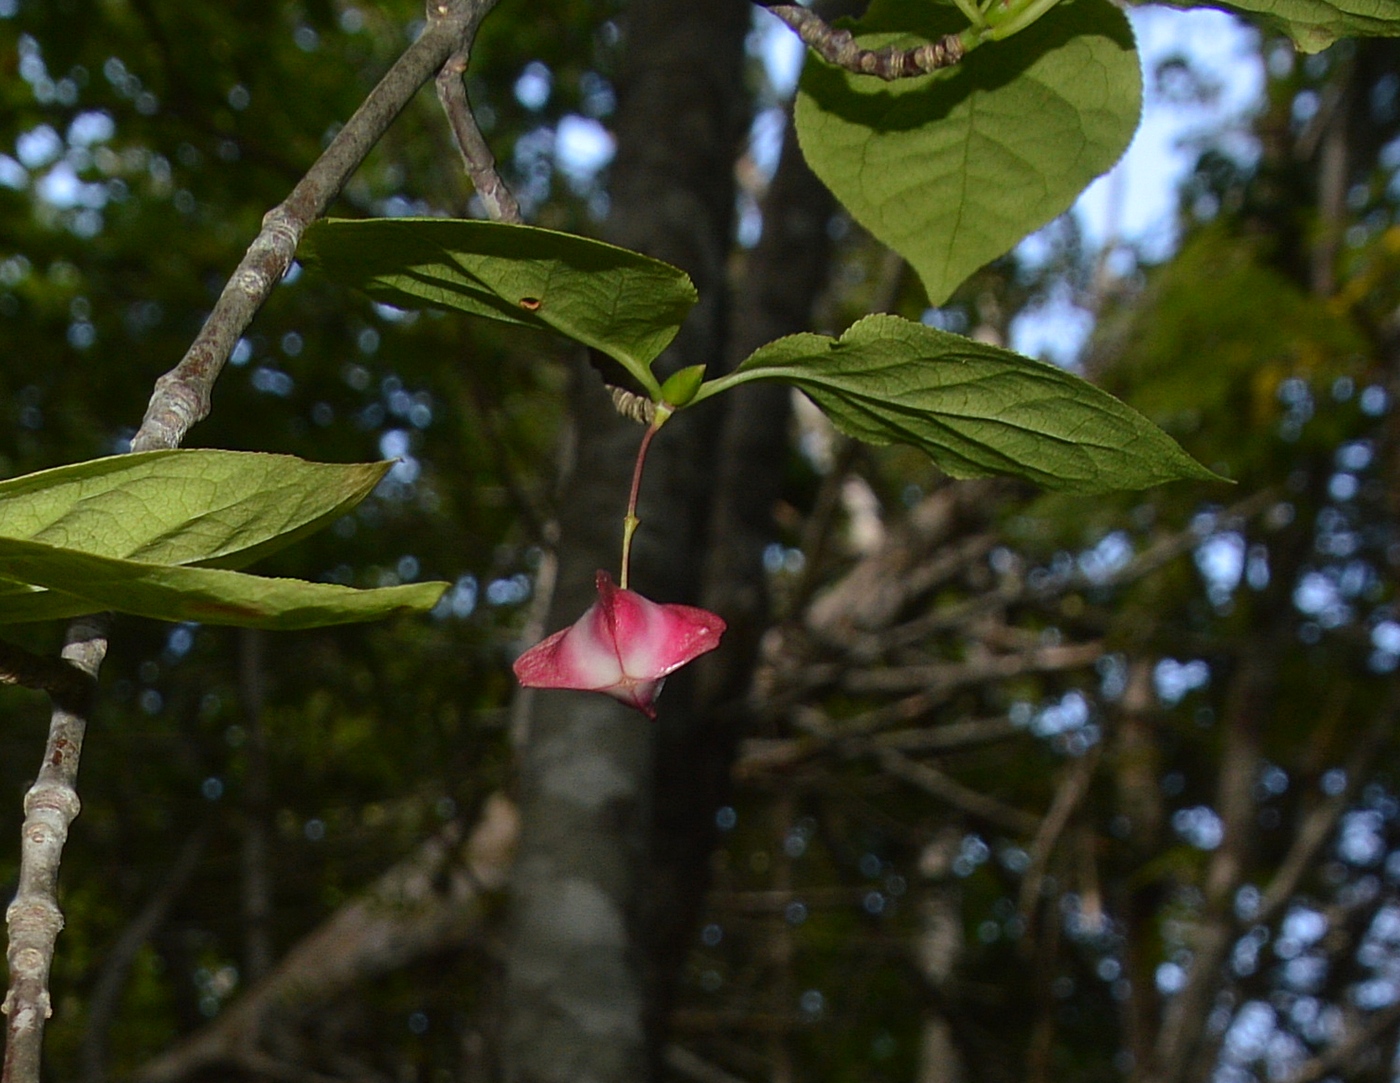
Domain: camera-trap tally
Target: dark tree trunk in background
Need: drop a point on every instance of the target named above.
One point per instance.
(774, 297)
(577, 993)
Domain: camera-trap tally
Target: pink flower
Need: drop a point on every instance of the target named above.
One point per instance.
(624, 645)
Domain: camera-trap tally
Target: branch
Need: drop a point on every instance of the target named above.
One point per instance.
(182, 395)
(1364, 1040)
(59, 677)
(976, 804)
(1069, 795)
(1184, 1042)
(758, 755)
(476, 155)
(941, 678)
(838, 47)
(693, 1066)
(1016, 590)
(111, 980)
(34, 919)
(181, 398)
(1319, 823)
(872, 593)
(431, 900)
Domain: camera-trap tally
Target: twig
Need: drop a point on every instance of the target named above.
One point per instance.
(1069, 794)
(973, 802)
(182, 395)
(759, 755)
(111, 981)
(693, 1066)
(256, 887)
(431, 900)
(942, 677)
(1319, 822)
(57, 676)
(1364, 1040)
(34, 919)
(838, 47)
(181, 398)
(476, 155)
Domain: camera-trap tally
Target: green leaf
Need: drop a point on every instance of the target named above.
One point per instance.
(953, 169)
(186, 506)
(619, 302)
(22, 602)
(207, 595)
(977, 410)
(1315, 24)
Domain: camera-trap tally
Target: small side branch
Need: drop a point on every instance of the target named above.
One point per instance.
(839, 47)
(34, 919)
(180, 399)
(476, 155)
(1319, 823)
(116, 966)
(433, 899)
(976, 804)
(182, 395)
(59, 677)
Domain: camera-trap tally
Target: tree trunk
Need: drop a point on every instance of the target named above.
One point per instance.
(576, 1006)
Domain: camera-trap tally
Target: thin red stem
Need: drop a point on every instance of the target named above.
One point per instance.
(630, 523)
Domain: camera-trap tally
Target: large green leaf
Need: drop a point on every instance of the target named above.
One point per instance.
(622, 303)
(953, 169)
(20, 602)
(186, 506)
(977, 410)
(1315, 24)
(207, 595)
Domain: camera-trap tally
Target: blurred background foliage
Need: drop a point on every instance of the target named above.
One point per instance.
(1028, 907)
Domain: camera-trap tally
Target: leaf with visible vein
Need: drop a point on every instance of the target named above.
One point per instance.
(185, 506)
(977, 410)
(206, 595)
(619, 302)
(952, 169)
(1315, 24)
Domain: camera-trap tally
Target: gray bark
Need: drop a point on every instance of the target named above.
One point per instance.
(576, 1004)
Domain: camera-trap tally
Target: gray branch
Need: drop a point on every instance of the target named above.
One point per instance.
(945, 788)
(1319, 823)
(476, 155)
(182, 395)
(434, 899)
(181, 398)
(58, 677)
(111, 981)
(839, 48)
(33, 918)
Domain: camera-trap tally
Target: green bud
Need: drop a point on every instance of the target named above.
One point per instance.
(680, 387)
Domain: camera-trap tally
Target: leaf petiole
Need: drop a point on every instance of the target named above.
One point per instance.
(719, 384)
(1005, 19)
(973, 12)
